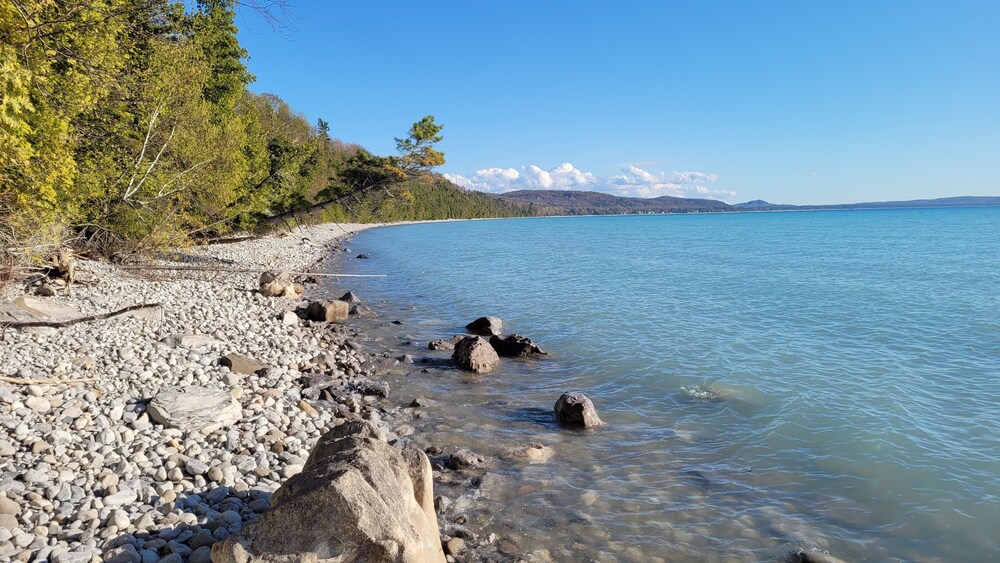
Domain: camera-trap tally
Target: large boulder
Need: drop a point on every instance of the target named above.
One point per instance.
(515, 346)
(194, 408)
(576, 409)
(328, 311)
(475, 354)
(279, 284)
(486, 326)
(357, 499)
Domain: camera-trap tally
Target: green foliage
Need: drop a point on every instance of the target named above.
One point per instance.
(132, 118)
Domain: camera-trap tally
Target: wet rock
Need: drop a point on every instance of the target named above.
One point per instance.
(811, 556)
(328, 311)
(241, 364)
(464, 459)
(475, 354)
(370, 387)
(486, 326)
(279, 284)
(363, 257)
(576, 409)
(194, 408)
(515, 346)
(360, 310)
(423, 403)
(357, 499)
(350, 297)
(444, 344)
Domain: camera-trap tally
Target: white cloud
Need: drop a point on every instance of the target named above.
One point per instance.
(632, 181)
(531, 177)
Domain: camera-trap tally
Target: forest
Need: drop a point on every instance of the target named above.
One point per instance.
(129, 125)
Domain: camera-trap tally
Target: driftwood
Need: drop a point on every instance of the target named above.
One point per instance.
(242, 271)
(70, 322)
(19, 381)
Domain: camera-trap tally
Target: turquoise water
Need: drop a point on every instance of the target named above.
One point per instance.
(771, 381)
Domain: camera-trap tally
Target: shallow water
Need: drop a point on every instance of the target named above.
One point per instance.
(771, 381)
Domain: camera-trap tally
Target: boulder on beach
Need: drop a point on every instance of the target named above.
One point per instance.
(475, 354)
(576, 409)
(515, 346)
(241, 364)
(486, 326)
(357, 499)
(194, 408)
(328, 311)
(279, 284)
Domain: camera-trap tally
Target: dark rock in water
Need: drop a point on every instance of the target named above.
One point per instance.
(350, 297)
(241, 364)
(423, 402)
(515, 346)
(463, 459)
(576, 409)
(357, 499)
(475, 354)
(370, 387)
(486, 326)
(433, 450)
(359, 310)
(363, 257)
(811, 556)
(328, 311)
(397, 323)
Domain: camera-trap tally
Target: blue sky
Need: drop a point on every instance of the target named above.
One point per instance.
(792, 102)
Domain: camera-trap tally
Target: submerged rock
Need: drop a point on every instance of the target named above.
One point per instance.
(532, 453)
(475, 354)
(515, 346)
(486, 326)
(357, 499)
(576, 409)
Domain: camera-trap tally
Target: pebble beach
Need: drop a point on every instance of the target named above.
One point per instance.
(97, 469)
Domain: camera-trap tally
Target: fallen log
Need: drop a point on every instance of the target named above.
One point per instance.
(70, 322)
(19, 381)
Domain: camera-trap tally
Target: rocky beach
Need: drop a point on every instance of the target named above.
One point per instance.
(157, 434)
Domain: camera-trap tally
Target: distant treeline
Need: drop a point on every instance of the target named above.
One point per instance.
(130, 123)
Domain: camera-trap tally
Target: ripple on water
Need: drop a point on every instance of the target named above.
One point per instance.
(771, 381)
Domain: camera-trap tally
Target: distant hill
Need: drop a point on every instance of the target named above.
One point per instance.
(570, 202)
(960, 201)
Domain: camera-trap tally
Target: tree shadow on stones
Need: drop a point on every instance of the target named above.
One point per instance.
(188, 526)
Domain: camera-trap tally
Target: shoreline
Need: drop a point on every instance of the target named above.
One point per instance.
(87, 474)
